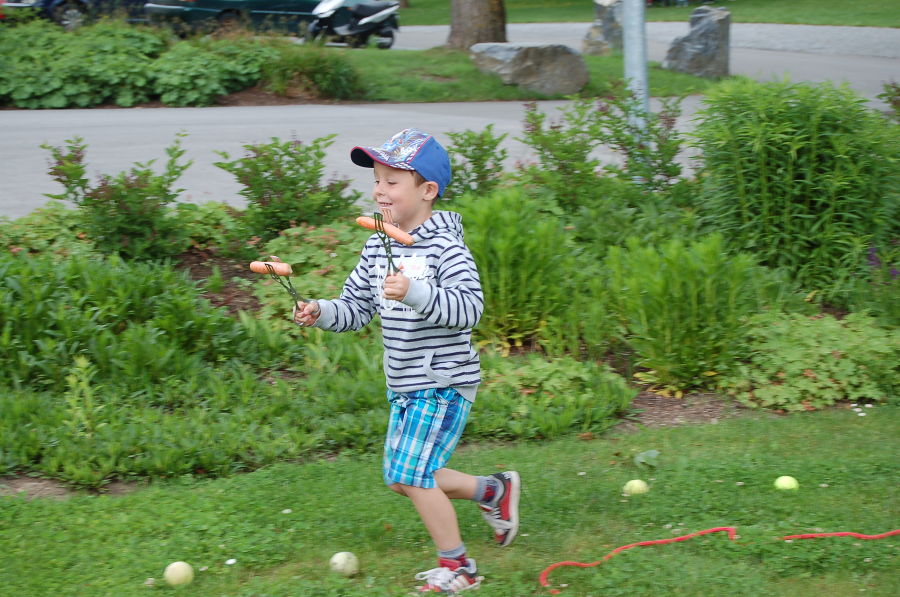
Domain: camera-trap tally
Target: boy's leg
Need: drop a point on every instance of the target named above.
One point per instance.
(456, 485)
(438, 514)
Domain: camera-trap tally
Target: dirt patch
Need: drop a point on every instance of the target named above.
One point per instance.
(234, 295)
(653, 410)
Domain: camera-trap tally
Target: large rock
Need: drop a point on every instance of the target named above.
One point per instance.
(704, 51)
(605, 34)
(550, 69)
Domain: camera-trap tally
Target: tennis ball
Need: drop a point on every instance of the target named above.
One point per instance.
(178, 573)
(344, 562)
(635, 486)
(786, 483)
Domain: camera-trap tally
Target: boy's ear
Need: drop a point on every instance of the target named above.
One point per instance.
(431, 190)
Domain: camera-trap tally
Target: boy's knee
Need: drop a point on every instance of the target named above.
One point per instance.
(397, 488)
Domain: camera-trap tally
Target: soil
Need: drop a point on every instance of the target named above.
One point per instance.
(648, 409)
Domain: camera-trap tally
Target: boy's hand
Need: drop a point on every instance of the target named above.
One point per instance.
(396, 286)
(307, 314)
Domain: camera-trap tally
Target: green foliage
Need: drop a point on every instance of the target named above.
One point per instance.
(568, 163)
(528, 268)
(53, 228)
(805, 363)
(138, 324)
(803, 176)
(683, 306)
(311, 70)
(535, 397)
(476, 160)
(124, 214)
(283, 185)
(215, 227)
(45, 67)
(891, 96)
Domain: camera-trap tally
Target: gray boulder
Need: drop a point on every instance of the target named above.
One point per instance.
(704, 51)
(605, 34)
(549, 69)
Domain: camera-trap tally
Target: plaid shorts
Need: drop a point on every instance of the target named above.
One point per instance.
(423, 430)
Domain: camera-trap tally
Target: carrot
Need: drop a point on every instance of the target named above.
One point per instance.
(280, 268)
(395, 233)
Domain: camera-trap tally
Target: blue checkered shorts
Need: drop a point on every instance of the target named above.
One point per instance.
(423, 431)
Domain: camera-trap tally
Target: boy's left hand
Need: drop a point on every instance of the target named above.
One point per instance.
(396, 286)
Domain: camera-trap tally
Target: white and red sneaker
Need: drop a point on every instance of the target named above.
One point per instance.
(502, 513)
(450, 581)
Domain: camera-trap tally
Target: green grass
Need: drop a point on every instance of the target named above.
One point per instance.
(870, 13)
(572, 509)
(448, 75)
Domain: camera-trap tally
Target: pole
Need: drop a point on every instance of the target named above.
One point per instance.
(635, 46)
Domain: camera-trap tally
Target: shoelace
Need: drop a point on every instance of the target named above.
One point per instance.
(494, 518)
(437, 577)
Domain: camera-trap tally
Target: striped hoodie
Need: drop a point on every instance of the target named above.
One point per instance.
(428, 336)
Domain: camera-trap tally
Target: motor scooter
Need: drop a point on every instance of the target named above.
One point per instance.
(354, 21)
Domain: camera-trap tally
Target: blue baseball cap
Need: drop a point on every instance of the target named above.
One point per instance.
(410, 149)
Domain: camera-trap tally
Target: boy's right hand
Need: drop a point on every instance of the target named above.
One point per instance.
(307, 314)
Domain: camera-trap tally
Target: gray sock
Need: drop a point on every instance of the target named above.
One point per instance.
(487, 490)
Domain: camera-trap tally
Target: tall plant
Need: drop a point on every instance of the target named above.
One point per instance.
(476, 160)
(126, 214)
(682, 307)
(804, 176)
(283, 185)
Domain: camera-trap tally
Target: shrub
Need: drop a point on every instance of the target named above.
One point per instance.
(539, 291)
(283, 186)
(52, 228)
(310, 70)
(647, 144)
(138, 324)
(683, 307)
(124, 214)
(46, 67)
(804, 176)
(476, 160)
(805, 363)
(534, 397)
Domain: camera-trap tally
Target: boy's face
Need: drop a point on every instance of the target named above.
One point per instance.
(410, 203)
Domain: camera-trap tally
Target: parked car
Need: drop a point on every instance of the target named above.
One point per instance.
(288, 16)
(74, 13)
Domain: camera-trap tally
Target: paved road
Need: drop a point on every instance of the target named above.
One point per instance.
(118, 138)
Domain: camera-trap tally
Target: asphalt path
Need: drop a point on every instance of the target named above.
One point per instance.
(116, 139)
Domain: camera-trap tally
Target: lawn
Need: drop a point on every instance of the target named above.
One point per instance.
(861, 13)
(282, 523)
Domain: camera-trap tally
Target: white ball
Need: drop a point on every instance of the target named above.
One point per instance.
(178, 573)
(786, 483)
(344, 562)
(635, 486)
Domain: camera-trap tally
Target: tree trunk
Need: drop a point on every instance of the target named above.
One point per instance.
(404, 3)
(476, 21)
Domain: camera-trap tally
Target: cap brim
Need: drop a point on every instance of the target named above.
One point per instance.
(361, 157)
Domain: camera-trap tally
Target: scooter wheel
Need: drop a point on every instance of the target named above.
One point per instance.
(385, 40)
(314, 34)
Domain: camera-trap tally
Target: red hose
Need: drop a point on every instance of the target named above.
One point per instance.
(731, 535)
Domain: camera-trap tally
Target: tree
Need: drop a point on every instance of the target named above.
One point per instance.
(476, 21)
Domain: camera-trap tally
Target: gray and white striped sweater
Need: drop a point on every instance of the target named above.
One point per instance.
(427, 336)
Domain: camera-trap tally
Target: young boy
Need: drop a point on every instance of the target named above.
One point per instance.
(428, 309)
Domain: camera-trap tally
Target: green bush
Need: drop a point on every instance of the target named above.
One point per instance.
(803, 176)
(44, 66)
(683, 307)
(568, 165)
(53, 229)
(804, 363)
(535, 397)
(525, 261)
(476, 161)
(311, 70)
(283, 185)
(139, 324)
(126, 214)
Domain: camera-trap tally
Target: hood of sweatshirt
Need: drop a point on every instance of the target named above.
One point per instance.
(440, 222)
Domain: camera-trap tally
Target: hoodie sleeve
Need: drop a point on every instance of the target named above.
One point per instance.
(354, 308)
(456, 301)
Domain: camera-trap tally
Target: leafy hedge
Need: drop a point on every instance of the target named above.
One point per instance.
(43, 66)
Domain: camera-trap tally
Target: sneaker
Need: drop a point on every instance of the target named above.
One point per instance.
(503, 515)
(448, 581)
